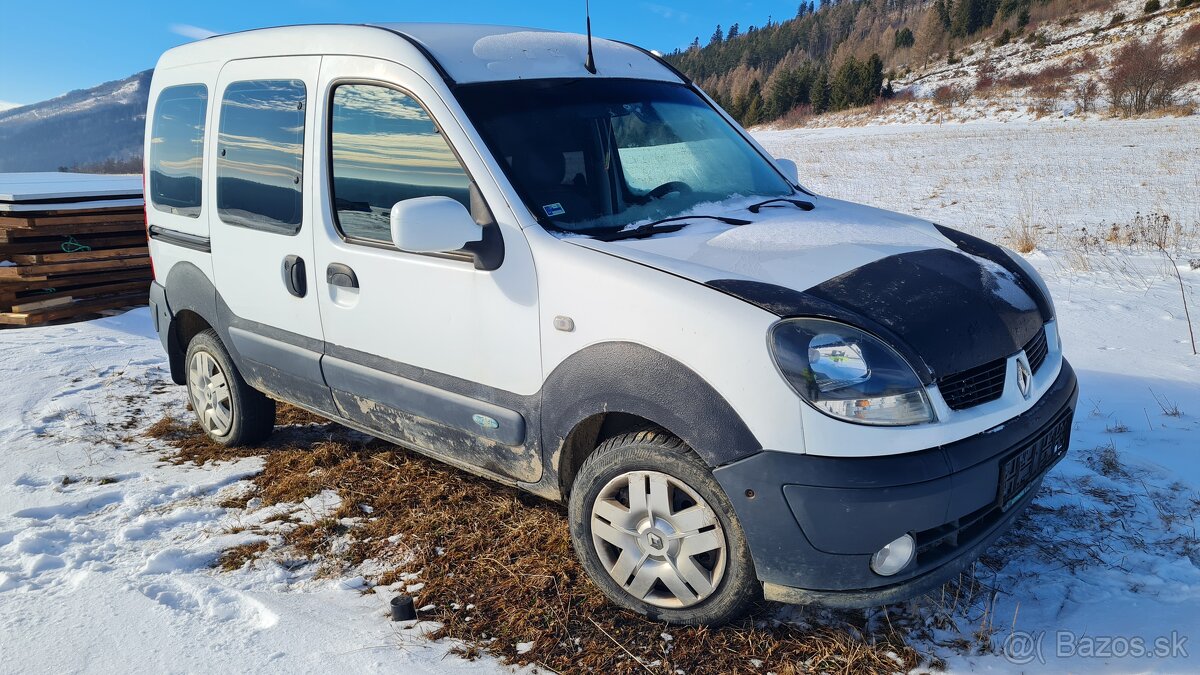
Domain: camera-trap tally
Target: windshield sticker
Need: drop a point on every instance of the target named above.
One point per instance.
(554, 209)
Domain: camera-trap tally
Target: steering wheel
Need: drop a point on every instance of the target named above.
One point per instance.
(675, 186)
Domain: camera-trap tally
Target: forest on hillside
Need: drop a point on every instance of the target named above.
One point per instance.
(845, 53)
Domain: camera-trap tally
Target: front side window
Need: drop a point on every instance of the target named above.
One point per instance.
(591, 155)
(386, 149)
(260, 158)
(177, 150)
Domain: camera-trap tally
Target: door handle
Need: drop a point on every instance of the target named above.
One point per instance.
(294, 276)
(338, 274)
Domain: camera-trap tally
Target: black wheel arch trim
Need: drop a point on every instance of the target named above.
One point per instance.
(625, 377)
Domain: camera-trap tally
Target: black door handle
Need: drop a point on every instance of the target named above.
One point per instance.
(294, 276)
(338, 274)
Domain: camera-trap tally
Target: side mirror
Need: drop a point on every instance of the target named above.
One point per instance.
(433, 225)
(789, 169)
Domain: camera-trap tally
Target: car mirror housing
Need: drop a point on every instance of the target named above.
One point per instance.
(433, 225)
(789, 169)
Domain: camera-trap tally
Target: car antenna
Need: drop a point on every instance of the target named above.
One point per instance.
(590, 64)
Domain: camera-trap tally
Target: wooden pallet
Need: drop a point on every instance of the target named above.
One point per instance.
(79, 256)
(74, 281)
(27, 221)
(16, 235)
(44, 315)
(88, 291)
(54, 244)
(105, 264)
(47, 271)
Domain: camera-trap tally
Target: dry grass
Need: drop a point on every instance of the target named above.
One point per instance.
(499, 569)
(236, 558)
(1023, 235)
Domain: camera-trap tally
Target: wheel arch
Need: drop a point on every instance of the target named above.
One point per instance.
(192, 304)
(617, 387)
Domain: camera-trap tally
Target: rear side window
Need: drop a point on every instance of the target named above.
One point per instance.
(386, 149)
(177, 150)
(260, 160)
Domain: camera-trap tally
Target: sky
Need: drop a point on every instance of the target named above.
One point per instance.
(50, 47)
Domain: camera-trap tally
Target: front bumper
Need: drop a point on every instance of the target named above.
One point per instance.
(813, 522)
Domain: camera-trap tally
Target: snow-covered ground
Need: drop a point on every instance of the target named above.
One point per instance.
(106, 550)
(1110, 549)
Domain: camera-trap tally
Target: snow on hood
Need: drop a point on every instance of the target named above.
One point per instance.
(783, 246)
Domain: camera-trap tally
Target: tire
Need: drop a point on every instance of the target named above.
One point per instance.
(229, 411)
(690, 565)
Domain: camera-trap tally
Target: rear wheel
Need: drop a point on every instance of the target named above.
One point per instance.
(229, 411)
(656, 533)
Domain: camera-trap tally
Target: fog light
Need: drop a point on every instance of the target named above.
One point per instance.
(894, 557)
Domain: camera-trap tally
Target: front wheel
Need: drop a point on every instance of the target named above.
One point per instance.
(656, 533)
(229, 411)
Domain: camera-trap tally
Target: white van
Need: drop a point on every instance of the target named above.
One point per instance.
(566, 269)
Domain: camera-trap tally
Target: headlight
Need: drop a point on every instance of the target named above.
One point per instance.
(849, 374)
(1037, 278)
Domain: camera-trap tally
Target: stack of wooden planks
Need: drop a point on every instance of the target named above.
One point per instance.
(71, 246)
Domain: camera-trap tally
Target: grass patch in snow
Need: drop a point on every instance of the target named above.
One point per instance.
(499, 571)
(494, 567)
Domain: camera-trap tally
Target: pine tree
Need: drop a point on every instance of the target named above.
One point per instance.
(820, 92)
(733, 31)
(752, 105)
(942, 8)
(875, 80)
(718, 36)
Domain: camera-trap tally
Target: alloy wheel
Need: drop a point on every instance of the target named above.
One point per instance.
(208, 388)
(658, 539)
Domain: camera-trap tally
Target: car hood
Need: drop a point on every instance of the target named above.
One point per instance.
(900, 277)
(783, 245)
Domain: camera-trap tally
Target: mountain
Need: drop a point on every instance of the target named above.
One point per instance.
(83, 128)
(848, 54)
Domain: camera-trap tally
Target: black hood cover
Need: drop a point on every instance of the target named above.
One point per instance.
(941, 308)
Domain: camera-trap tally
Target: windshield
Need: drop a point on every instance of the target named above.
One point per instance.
(591, 155)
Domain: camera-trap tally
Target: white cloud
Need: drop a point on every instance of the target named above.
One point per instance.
(191, 32)
(5, 105)
(666, 12)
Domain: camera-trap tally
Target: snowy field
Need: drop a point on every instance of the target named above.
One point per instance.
(1111, 548)
(106, 551)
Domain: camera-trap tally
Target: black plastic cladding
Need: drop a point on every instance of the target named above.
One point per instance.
(609, 377)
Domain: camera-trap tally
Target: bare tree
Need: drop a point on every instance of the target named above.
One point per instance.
(1087, 92)
(1144, 76)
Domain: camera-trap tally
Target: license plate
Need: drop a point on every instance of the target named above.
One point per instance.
(1018, 472)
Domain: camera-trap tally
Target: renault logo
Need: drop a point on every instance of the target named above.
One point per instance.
(1024, 377)
(656, 542)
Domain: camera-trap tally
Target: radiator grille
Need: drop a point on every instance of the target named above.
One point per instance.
(1036, 349)
(975, 386)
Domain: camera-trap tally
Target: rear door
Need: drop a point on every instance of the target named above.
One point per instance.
(262, 227)
(424, 348)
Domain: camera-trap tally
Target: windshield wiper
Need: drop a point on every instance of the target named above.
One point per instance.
(659, 227)
(803, 205)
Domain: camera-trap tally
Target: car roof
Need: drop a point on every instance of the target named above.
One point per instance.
(488, 53)
(461, 53)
